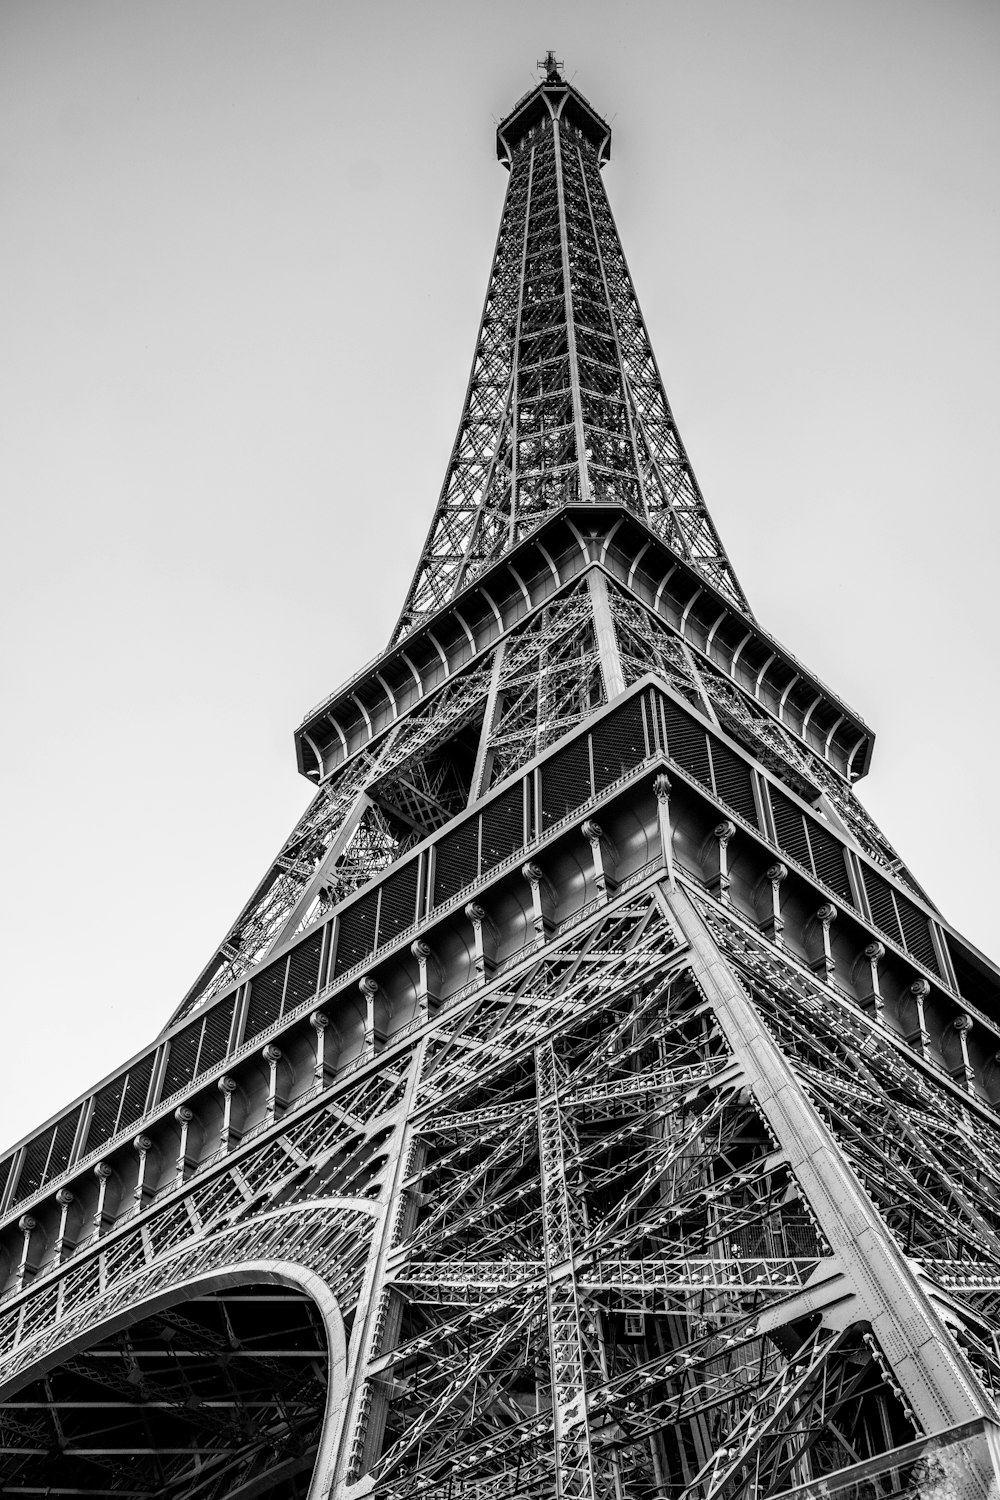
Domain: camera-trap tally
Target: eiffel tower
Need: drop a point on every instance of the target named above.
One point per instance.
(588, 1102)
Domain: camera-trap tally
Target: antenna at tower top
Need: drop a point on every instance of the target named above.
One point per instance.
(551, 66)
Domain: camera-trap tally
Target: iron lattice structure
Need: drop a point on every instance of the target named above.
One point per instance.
(588, 1102)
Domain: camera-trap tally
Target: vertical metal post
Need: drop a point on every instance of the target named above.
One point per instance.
(607, 637)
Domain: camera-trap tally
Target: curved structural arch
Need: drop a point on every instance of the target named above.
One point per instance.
(229, 1382)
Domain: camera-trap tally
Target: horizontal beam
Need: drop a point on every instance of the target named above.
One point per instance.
(211, 1354)
(135, 1406)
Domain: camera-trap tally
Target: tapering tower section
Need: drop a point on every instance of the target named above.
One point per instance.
(565, 404)
(588, 1103)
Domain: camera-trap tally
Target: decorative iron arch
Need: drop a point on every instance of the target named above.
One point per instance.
(110, 1343)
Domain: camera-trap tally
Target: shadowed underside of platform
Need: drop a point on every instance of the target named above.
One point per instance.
(220, 1394)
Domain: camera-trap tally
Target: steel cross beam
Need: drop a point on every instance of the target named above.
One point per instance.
(555, 1068)
(938, 1389)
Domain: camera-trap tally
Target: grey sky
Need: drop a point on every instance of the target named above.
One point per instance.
(245, 249)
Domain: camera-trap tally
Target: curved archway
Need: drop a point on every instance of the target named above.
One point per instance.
(228, 1383)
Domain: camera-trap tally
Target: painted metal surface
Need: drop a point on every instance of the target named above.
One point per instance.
(588, 1103)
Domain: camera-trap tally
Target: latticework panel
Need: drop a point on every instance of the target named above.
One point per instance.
(545, 695)
(420, 773)
(929, 1163)
(377, 841)
(647, 643)
(575, 1246)
(601, 1290)
(606, 1174)
(565, 402)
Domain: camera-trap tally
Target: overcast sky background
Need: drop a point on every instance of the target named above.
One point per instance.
(245, 246)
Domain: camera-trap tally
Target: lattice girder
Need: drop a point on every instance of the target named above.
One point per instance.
(544, 678)
(565, 402)
(548, 675)
(600, 1270)
(472, 1326)
(607, 1105)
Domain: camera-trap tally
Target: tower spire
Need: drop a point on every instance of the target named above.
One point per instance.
(550, 67)
(565, 405)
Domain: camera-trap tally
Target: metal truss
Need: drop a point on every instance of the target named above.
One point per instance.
(212, 1392)
(605, 1287)
(543, 696)
(565, 402)
(537, 685)
(558, 1169)
(572, 1241)
(316, 858)
(487, 721)
(932, 1168)
(799, 767)
(646, 641)
(378, 840)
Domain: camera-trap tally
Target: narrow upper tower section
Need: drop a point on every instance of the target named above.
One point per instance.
(565, 405)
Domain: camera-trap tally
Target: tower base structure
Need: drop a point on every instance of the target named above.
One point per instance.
(605, 1178)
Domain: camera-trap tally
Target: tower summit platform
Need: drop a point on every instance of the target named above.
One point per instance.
(553, 99)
